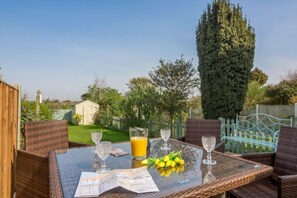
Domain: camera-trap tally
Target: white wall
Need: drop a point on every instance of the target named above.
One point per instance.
(87, 109)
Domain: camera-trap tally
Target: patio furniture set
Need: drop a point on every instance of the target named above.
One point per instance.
(50, 166)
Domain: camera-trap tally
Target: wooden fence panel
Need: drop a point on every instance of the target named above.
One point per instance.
(8, 137)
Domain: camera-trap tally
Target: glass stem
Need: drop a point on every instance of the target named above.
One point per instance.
(209, 156)
(103, 164)
(166, 144)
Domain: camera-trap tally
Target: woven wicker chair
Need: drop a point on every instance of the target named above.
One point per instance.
(283, 183)
(196, 128)
(32, 172)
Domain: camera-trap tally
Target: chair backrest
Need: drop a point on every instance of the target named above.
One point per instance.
(286, 153)
(196, 128)
(44, 136)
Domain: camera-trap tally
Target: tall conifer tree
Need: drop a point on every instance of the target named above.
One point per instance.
(225, 46)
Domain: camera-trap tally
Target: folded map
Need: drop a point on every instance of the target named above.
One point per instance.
(137, 180)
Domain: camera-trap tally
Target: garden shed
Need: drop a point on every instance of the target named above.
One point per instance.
(86, 109)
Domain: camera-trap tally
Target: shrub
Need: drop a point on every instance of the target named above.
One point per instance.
(77, 118)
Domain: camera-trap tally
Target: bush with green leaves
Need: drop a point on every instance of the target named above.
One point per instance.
(226, 47)
(28, 114)
(77, 118)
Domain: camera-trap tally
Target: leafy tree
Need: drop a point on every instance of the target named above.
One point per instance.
(176, 81)
(110, 106)
(225, 47)
(57, 104)
(258, 75)
(95, 91)
(255, 94)
(141, 102)
(293, 100)
(284, 92)
(194, 107)
(28, 114)
(109, 100)
(139, 83)
(194, 102)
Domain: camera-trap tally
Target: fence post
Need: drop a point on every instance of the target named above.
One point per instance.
(223, 128)
(19, 135)
(257, 111)
(178, 129)
(119, 125)
(295, 110)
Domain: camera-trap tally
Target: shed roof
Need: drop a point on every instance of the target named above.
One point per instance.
(87, 101)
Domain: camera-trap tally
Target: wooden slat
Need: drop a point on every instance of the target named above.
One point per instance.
(8, 131)
(6, 145)
(1, 139)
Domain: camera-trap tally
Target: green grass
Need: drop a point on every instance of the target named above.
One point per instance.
(82, 134)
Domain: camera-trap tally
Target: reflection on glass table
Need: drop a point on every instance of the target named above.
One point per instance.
(96, 137)
(209, 177)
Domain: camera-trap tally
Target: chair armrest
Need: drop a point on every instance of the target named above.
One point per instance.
(55, 189)
(263, 158)
(287, 186)
(76, 144)
(32, 175)
(181, 139)
(220, 147)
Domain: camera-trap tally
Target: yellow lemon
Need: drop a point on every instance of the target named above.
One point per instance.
(157, 161)
(172, 163)
(144, 162)
(166, 158)
(181, 162)
(161, 164)
(168, 163)
(177, 159)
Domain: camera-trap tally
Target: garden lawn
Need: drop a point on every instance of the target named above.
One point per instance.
(82, 134)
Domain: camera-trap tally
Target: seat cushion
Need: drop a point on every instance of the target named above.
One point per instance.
(261, 189)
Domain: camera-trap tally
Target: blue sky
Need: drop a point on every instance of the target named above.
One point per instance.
(61, 46)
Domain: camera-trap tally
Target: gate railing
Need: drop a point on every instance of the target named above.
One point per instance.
(253, 133)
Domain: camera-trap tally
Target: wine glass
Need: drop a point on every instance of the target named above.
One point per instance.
(209, 143)
(165, 134)
(96, 137)
(103, 150)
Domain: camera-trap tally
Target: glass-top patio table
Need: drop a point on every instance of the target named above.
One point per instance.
(229, 172)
